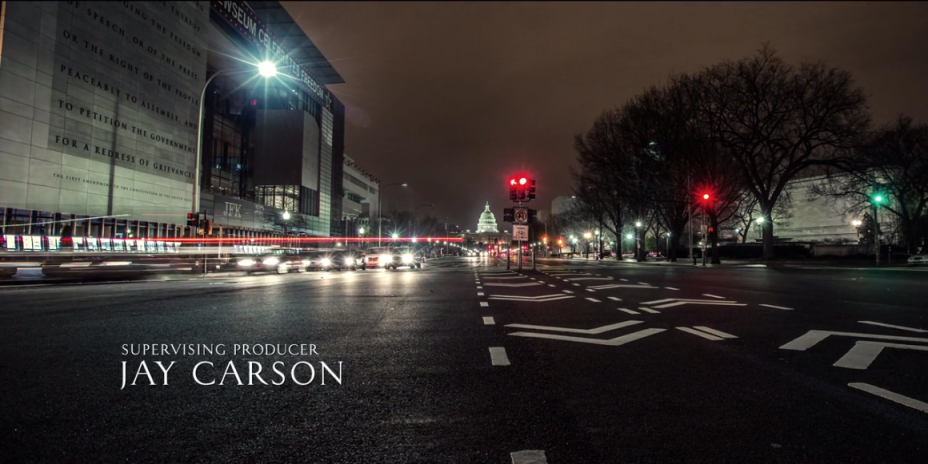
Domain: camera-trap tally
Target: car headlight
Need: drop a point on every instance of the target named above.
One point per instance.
(384, 259)
(326, 261)
(407, 258)
(349, 261)
(306, 262)
(270, 261)
(247, 262)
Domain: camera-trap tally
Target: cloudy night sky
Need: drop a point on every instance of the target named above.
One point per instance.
(453, 97)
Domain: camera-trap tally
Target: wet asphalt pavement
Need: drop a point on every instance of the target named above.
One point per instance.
(461, 362)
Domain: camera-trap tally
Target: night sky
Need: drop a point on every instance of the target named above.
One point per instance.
(453, 97)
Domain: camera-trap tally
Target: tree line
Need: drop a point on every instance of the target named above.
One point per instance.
(739, 131)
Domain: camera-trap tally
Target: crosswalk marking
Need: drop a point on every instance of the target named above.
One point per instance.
(591, 290)
(567, 291)
(528, 457)
(629, 311)
(489, 321)
(498, 356)
(615, 298)
(717, 333)
(649, 310)
(701, 334)
(671, 288)
(713, 296)
(594, 300)
(484, 304)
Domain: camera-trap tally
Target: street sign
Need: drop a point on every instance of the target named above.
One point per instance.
(520, 233)
(520, 216)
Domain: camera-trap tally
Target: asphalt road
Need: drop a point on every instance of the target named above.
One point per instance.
(461, 362)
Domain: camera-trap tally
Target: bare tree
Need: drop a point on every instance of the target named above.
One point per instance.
(894, 164)
(778, 120)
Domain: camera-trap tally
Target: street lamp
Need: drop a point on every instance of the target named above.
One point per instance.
(380, 211)
(286, 216)
(266, 69)
(877, 199)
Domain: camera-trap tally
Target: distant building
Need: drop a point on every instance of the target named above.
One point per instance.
(487, 231)
(360, 187)
(563, 203)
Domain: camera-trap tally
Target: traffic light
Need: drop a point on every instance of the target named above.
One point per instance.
(192, 219)
(513, 190)
(705, 196)
(508, 215)
(531, 189)
(208, 227)
(532, 214)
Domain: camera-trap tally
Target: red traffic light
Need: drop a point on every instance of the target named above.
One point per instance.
(522, 181)
(705, 196)
(512, 182)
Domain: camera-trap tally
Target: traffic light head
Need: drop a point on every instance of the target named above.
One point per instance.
(705, 196)
(192, 219)
(531, 189)
(523, 181)
(513, 190)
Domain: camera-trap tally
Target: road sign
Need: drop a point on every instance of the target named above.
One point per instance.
(521, 216)
(520, 233)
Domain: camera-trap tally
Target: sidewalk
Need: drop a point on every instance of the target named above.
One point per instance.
(788, 264)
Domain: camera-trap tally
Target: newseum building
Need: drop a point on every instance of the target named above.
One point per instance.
(99, 105)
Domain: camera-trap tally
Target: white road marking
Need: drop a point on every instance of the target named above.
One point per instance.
(603, 287)
(717, 333)
(551, 285)
(776, 307)
(671, 288)
(591, 290)
(812, 337)
(629, 311)
(615, 298)
(864, 352)
(593, 331)
(504, 278)
(624, 280)
(701, 334)
(593, 341)
(588, 278)
(594, 300)
(894, 397)
(528, 457)
(479, 287)
(489, 321)
(910, 329)
(526, 284)
(484, 304)
(649, 310)
(479, 293)
(567, 291)
(498, 356)
(713, 296)
(697, 302)
(643, 283)
(576, 285)
(531, 300)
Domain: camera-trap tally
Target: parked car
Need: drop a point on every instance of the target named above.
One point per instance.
(918, 258)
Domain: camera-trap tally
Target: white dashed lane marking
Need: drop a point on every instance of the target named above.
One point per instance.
(498, 356)
(776, 307)
(671, 288)
(649, 310)
(489, 321)
(614, 298)
(629, 311)
(713, 296)
(594, 300)
(484, 304)
(567, 291)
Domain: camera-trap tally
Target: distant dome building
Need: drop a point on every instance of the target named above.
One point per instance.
(487, 221)
(487, 234)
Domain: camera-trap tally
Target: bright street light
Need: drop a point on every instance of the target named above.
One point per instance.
(637, 224)
(361, 231)
(857, 223)
(396, 236)
(267, 69)
(760, 220)
(286, 215)
(629, 236)
(587, 235)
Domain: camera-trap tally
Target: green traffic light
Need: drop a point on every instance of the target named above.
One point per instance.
(878, 198)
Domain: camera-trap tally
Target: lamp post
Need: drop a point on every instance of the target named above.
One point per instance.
(587, 236)
(380, 211)
(877, 199)
(286, 217)
(638, 241)
(266, 69)
(668, 245)
(361, 234)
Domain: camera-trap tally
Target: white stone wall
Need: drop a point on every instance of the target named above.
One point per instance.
(98, 106)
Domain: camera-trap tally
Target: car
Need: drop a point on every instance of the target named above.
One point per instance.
(319, 260)
(281, 261)
(918, 258)
(353, 260)
(402, 257)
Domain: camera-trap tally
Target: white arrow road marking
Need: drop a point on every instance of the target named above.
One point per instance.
(701, 334)
(910, 329)
(532, 300)
(614, 298)
(812, 337)
(648, 310)
(864, 352)
(594, 300)
(717, 333)
(713, 296)
(776, 307)
(671, 288)
(604, 287)
(594, 331)
(484, 304)
(528, 457)
(489, 321)
(526, 284)
(629, 311)
(895, 397)
(593, 341)
(498, 356)
(698, 302)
